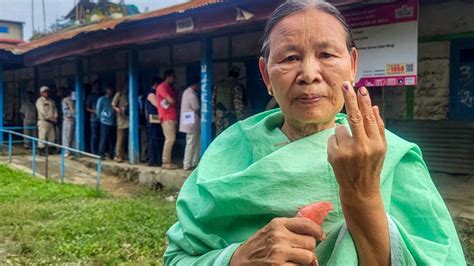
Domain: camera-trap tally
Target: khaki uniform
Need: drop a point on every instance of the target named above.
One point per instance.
(47, 117)
(229, 103)
(120, 100)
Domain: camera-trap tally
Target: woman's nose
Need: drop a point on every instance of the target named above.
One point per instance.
(310, 71)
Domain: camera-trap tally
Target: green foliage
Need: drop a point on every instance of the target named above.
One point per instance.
(50, 223)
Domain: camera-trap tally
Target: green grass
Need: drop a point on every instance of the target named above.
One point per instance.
(50, 223)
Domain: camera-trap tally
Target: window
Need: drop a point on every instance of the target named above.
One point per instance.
(4, 29)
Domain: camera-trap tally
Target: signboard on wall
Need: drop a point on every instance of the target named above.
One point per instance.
(387, 39)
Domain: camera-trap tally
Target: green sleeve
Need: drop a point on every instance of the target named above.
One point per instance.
(191, 241)
(180, 252)
(424, 232)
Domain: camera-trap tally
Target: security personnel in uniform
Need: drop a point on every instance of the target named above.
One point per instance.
(230, 102)
(47, 118)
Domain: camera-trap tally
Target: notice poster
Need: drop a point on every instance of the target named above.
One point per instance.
(387, 39)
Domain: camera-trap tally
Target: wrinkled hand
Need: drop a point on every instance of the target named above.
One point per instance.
(284, 241)
(357, 160)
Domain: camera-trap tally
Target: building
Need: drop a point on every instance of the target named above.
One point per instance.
(11, 32)
(208, 36)
(87, 11)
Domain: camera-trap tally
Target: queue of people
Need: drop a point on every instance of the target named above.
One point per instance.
(163, 113)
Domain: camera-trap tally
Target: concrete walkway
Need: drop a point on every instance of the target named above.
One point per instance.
(141, 173)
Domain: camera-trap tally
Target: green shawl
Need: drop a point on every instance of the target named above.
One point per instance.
(251, 174)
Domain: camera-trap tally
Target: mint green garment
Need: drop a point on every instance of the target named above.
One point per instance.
(251, 174)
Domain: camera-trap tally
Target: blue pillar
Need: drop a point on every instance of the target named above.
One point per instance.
(206, 94)
(134, 127)
(1, 102)
(79, 87)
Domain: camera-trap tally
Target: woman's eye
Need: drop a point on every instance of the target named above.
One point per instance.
(291, 58)
(326, 55)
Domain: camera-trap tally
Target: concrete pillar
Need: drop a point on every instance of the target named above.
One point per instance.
(79, 87)
(206, 94)
(134, 126)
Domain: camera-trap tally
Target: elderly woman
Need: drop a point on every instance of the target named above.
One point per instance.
(239, 206)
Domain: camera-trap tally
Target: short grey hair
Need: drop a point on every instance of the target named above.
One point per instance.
(290, 7)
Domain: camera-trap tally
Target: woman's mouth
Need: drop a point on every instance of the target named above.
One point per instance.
(309, 99)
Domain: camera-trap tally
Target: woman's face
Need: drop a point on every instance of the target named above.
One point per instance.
(307, 65)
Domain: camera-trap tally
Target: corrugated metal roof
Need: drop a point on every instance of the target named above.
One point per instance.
(12, 21)
(175, 9)
(111, 24)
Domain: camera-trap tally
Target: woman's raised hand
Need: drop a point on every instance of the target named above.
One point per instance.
(357, 161)
(357, 158)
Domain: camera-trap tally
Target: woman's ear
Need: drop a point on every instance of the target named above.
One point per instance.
(354, 60)
(262, 65)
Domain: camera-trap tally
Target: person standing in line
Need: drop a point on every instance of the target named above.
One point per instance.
(69, 120)
(107, 120)
(47, 119)
(153, 124)
(91, 104)
(120, 106)
(29, 117)
(166, 100)
(230, 101)
(189, 123)
(57, 95)
(143, 133)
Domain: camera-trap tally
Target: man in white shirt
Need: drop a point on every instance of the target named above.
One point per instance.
(190, 124)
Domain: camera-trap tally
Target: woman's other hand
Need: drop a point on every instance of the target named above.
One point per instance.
(284, 241)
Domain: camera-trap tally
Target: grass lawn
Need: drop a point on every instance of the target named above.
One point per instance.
(50, 223)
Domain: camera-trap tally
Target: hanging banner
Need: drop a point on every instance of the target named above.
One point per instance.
(387, 39)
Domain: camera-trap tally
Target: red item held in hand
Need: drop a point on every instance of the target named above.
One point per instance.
(316, 211)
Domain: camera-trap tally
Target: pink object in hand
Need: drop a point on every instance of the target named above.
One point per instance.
(317, 212)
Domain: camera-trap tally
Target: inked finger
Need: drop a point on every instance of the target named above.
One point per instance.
(353, 112)
(365, 107)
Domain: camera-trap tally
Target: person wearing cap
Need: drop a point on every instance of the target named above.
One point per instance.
(47, 118)
(69, 118)
(229, 100)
